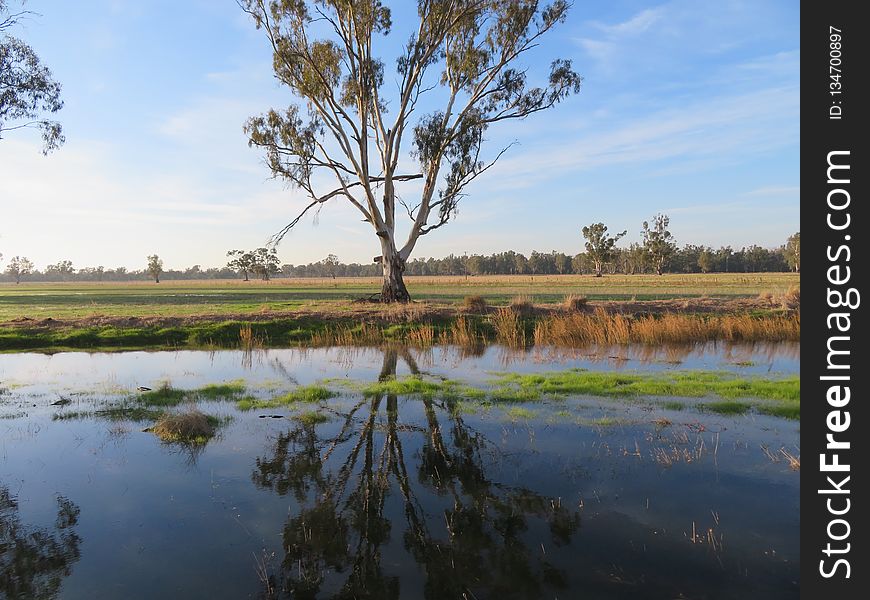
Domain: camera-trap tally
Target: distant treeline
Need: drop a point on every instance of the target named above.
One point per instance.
(634, 259)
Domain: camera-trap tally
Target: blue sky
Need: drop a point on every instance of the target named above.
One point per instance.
(688, 107)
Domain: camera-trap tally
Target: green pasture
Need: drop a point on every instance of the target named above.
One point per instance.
(185, 298)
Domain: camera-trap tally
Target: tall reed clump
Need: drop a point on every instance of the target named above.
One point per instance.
(422, 336)
(509, 328)
(462, 333)
(248, 340)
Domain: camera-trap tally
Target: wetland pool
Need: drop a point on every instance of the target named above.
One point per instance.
(617, 472)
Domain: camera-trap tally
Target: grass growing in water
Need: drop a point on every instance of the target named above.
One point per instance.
(307, 393)
(311, 417)
(518, 413)
(727, 407)
(221, 391)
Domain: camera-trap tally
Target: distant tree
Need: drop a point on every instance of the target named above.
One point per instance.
(521, 264)
(62, 271)
(265, 262)
(330, 263)
(793, 252)
(563, 263)
(599, 245)
(658, 242)
(706, 260)
(18, 267)
(27, 90)
(241, 261)
(155, 267)
(463, 51)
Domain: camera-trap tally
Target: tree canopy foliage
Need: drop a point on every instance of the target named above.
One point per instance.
(28, 92)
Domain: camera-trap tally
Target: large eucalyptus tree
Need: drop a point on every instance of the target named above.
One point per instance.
(351, 123)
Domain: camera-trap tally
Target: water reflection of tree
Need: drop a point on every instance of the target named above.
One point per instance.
(34, 560)
(468, 539)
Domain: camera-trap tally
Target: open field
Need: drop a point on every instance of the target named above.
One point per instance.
(236, 297)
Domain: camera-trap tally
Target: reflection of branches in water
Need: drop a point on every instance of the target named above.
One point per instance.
(465, 531)
(34, 560)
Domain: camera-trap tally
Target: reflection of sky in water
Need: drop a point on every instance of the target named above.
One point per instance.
(555, 506)
(187, 369)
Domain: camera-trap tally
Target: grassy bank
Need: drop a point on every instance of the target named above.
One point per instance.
(505, 326)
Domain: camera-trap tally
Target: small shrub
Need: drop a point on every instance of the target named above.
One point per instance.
(475, 304)
(576, 303)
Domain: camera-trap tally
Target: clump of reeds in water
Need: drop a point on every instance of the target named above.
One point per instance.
(422, 336)
(192, 427)
(248, 340)
(509, 328)
(462, 333)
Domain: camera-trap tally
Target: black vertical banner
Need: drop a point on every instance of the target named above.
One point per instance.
(834, 368)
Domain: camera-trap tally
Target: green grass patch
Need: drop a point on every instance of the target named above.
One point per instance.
(519, 413)
(221, 391)
(311, 417)
(685, 384)
(303, 394)
(165, 395)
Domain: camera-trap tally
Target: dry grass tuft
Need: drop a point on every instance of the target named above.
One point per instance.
(575, 302)
(767, 298)
(522, 305)
(191, 427)
(475, 304)
(791, 300)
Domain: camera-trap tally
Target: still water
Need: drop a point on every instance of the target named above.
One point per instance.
(388, 496)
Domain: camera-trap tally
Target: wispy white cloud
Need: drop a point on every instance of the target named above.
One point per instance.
(775, 190)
